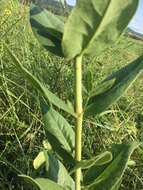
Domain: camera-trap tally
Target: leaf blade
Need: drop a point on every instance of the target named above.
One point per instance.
(47, 94)
(47, 28)
(109, 176)
(122, 81)
(98, 160)
(56, 171)
(58, 127)
(94, 25)
(39, 160)
(42, 183)
(59, 133)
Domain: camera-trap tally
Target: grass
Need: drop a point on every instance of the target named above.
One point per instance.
(21, 132)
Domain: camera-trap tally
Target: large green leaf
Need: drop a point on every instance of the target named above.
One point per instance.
(122, 81)
(55, 170)
(108, 177)
(42, 183)
(47, 28)
(99, 160)
(56, 124)
(94, 25)
(59, 132)
(48, 95)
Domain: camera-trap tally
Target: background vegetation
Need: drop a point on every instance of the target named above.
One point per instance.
(21, 133)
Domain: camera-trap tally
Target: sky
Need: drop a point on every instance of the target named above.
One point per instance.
(136, 23)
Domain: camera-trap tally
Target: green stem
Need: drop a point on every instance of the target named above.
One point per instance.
(79, 113)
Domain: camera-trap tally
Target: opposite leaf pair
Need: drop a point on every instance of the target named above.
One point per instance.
(103, 172)
(107, 93)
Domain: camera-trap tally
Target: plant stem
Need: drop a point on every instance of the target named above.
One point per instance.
(79, 113)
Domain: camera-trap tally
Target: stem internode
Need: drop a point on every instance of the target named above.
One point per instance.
(79, 113)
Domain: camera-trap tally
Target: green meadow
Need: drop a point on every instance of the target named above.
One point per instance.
(21, 131)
